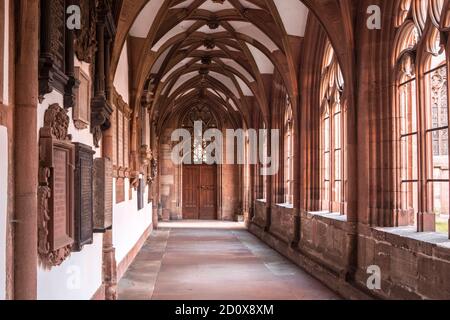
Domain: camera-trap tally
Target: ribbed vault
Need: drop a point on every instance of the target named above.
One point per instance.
(220, 52)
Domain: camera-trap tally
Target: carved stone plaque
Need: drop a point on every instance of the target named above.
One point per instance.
(82, 109)
(120, 190)
(103, 194)
(84, 220)
(61, 224)
(85, 42)
(55, 191)
(140, 194)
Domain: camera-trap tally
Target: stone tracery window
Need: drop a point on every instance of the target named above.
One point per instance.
(332, 133)
(422, 103)
(204, 115)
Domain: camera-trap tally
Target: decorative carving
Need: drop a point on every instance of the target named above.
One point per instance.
(100, 107)
(214, 23)
(134, 179)
(209, 44)
(56, 57)
(206, 60)
(55, 191)
(57, 120)
(81, 110)
(146, 155)
(153, 171)
(85, 38)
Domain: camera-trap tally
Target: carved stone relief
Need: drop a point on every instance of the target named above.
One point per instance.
(55, 191)
(85, 38)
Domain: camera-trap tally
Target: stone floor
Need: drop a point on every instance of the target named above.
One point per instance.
(214, 261)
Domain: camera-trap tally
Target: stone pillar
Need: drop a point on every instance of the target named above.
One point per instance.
(26, 149)
(109, 252)
(269, 184)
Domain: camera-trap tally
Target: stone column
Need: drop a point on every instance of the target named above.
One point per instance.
(109, 252)
(26, 149)
(269, 184)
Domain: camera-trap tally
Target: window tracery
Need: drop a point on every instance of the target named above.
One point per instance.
(332, 133)
(202, 114)
(422, 100)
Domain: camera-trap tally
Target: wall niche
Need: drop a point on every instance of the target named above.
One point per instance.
(56, 186)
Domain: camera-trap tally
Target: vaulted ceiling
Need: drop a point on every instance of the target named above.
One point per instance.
(220, 52)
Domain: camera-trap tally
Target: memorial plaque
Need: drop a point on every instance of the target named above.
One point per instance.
(61, 225)
(82, 109)
(120, 156)
(126, 151)
(103, 194)
(120, 190)
(140, 194)
(55, 191)
(84, 208)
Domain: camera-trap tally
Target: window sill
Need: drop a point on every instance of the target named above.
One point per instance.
(285, 205)
(432, 238)
(329, 215)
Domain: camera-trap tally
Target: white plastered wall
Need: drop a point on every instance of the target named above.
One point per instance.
(129, 223)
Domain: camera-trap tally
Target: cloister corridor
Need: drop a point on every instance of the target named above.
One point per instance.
(195, 150)
(209, 260)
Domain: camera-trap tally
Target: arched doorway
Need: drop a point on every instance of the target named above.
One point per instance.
(199, 179)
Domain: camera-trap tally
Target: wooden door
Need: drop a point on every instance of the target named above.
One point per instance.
(208, 194)
(199, 192)
(191, 181)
